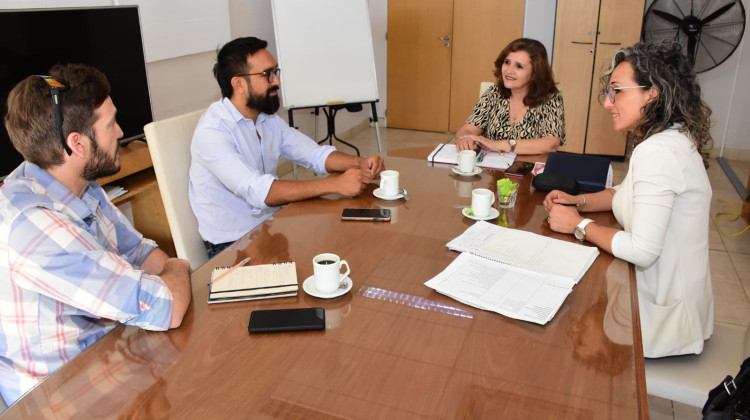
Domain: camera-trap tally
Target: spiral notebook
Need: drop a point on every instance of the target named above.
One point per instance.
(253, 282)
(515, 273)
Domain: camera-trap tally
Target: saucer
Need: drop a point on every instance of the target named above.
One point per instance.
(477, 171)
(379, 193)
(309, 287)
(493, 214)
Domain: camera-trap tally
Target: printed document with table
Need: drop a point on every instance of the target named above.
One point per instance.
(515, 273)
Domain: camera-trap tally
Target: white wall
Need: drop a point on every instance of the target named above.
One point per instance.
(726, 89)
(539, 23)
(185, 83)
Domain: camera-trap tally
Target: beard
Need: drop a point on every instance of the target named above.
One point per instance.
(266, 104)
(100, 164)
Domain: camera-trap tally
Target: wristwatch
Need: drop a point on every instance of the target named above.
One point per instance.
(580, 232)
(512, 143)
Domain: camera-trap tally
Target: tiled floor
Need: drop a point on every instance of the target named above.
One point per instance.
(729, 256)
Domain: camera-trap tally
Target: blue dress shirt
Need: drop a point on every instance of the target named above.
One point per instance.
(234, 162)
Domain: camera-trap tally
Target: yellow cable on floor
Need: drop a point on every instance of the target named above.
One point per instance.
(735, 213)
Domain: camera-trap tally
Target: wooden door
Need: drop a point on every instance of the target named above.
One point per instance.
(619, 26)
(481, 29)
(573, 65)
(419, 64)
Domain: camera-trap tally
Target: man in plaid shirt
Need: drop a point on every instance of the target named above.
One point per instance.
(71, 266)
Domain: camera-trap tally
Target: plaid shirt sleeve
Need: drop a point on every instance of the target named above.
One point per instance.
(69, 271)
(61, 260)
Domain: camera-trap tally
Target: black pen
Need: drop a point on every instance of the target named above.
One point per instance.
(568, 204)
(477, 149)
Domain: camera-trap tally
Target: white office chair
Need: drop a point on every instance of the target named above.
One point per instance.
(484, 86)
(169, 144)
(687, 379)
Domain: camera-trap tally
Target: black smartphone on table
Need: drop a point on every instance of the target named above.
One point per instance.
(376, 215)
(296, 319)
(519, 168)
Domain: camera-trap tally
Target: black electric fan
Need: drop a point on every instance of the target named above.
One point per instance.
(709, 30)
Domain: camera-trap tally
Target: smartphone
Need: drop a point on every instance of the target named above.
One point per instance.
(519, 168)
(297, 319)
(377, 215)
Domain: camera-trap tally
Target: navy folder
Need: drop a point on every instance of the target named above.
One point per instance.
(589, 171)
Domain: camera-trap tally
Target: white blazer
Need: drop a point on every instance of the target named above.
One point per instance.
(663, 205)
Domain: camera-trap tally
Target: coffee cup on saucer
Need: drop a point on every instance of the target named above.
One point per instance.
(466, 160)
(481, 202)
(327, 272)
(389, 183)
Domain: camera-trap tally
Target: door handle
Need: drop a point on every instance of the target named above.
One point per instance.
(581, 42)
(611, 43)
(444, 38)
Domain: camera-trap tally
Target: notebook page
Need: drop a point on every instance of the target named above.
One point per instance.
(526, 250)
(251, 279)
(539, 253)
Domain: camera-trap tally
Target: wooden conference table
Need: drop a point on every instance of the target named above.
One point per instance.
(393, 348)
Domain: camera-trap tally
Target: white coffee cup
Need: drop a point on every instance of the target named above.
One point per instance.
(327, 272)
(389, 183)
(481, 201)
(466, 161)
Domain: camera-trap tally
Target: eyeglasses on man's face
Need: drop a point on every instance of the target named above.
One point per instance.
(270, 75)
(610, 91)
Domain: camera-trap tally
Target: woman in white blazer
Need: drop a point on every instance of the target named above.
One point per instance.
(663, 202)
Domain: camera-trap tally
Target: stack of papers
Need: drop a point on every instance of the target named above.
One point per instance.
(447, 153)
(114, 191)
(515, 273)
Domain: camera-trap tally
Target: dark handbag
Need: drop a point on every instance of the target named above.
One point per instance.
(562, 182)
(730, 400)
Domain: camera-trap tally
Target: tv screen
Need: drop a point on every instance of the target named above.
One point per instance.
(108, 38)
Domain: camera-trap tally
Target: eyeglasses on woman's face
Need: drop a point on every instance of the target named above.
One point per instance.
(611, 91)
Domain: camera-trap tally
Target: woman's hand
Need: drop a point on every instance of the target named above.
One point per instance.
(563, 219)
(468, 142)
(558, 197)
(563, 215)
(468, 137)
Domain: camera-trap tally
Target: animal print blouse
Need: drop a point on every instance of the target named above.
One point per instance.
(492, 114)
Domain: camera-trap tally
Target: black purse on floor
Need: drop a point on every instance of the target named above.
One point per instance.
(730, 400)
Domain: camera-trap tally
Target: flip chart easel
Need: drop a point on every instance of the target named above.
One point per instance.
(326, 56)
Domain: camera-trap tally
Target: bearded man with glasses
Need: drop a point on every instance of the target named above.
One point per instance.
(237, 146)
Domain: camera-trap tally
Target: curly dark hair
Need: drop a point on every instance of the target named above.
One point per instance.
(664, 66)
(542, 84)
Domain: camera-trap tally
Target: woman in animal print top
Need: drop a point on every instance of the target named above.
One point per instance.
(523, 111)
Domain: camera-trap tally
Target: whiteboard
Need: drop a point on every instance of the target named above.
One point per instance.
(176, 28)
(324, 52)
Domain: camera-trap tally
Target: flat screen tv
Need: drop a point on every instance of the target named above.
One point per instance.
(108, 38)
